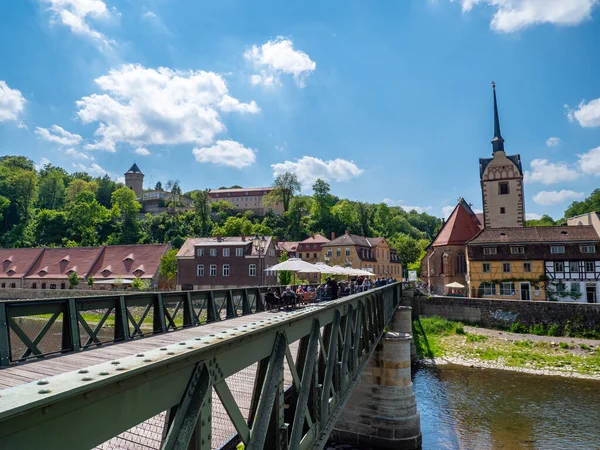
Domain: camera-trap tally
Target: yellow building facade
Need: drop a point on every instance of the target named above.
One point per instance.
(509, 279)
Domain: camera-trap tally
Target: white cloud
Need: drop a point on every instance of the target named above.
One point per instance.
(533, 216)
(447, 210)
(419, 209)
(553, 142)
(58, 135)
(41, 164)
(78, 155)
(75, 14)
(308, 169)
(545, 172)
(93, 169)
(281, 147)
(12, 102)
(226, 153)
(22, 125)
(513, 15)
(161, 106)
(279, 57)
(589, 162)
(142, 151)
(547, 198)
(587, 114)
(149, 15)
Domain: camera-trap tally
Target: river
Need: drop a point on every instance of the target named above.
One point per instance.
(468, 408)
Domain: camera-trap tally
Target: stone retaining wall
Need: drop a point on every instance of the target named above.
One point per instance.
(502, 313)
(26, 294)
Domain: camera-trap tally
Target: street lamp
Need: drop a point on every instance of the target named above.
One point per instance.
(260, 245)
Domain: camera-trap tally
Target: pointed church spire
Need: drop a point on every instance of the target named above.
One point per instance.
(497, 142)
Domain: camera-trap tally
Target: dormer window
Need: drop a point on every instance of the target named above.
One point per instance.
(65, 259)
(10, 272)
(9, 259)
(128, 257)
(42, 272)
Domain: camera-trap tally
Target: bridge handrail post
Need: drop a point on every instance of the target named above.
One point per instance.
(160, 324)
(189, 319)
(121, 320)
(246, 309)
(70, 328)
(230, 306)
(4, 336)
(211, 309)
(260, 306)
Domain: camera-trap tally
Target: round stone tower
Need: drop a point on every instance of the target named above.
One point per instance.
(134, 180)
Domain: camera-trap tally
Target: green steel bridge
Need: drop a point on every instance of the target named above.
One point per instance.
(182, 370)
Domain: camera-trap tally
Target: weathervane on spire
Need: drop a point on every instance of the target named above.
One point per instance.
(493, 85)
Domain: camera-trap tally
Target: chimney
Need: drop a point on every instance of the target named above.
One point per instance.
(443, 221)
(219, 238)
(243, 237)
(347, 232)
(332, 235)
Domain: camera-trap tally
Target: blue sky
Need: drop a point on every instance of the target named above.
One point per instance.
(385, 100)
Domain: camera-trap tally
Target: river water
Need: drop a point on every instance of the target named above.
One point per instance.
(468, 408)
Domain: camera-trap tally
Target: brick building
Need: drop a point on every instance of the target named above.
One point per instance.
(211, 263)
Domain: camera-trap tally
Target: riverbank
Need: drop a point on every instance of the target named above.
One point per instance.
(440, 341)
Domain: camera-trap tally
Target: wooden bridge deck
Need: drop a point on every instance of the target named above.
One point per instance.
(148, 435)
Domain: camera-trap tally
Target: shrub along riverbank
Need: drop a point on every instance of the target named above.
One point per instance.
(442, 341)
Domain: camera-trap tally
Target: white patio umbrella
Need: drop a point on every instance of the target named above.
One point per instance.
(324, 268)
(295, 265)
(455, 285)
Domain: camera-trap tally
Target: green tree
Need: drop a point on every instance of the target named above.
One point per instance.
(285, 276)
(158, 186)
(168, 266)
(73, 280)
(139, 284)
(52, 188)
(126, 207)
(346, 213)
(87, 218)
(286, 185)
(544, 221)
(77, 186)
(51, 227)
(234, 226)
(18, 184)
(589, 204)
(105, 189)
(201, 202)
(408, 249)
(90, 282)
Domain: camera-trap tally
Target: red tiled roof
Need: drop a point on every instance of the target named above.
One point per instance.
(354, 239)
(287, 246)
(315, 239)
(461, 226)
(187, 249)
(58, 262)
(579, 233)
(14, 262)
(224, 193)
(124, 261)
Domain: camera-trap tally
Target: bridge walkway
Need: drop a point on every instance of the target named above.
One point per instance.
(149, 434)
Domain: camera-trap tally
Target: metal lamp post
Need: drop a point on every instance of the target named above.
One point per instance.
(260, 245)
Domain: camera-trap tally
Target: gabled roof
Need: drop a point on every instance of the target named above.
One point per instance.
(134, 169)
(287, 246)
(518, 235)
(354, 239)
(187, 249)
(315, 239)
(121, 261)
(461, 226)
(484, 162)
(14, 262)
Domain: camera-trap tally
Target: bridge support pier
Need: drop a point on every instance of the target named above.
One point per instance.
(402, 322)
(382, 410)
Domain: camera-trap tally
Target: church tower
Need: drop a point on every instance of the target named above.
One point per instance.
(134, 180)
(501, 183)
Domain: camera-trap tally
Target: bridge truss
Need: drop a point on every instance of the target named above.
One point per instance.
(332, 343)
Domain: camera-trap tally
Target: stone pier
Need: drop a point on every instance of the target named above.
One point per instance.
(382, 411)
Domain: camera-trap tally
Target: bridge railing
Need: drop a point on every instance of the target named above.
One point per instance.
(180, 385)
(36, 328)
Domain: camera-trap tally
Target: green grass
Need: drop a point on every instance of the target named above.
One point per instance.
(564, 345)
(524, 344)
(428, 331)
(476, 338)
(584, 347)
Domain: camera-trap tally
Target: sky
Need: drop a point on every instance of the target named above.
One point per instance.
(387, 101)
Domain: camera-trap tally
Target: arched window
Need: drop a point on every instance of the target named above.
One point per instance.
(461, 264)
